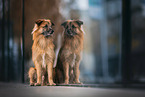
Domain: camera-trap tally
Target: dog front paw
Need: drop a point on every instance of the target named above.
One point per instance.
(31, 84)
(77, 82)
(51, 84)
(37, 84)
(66, 82)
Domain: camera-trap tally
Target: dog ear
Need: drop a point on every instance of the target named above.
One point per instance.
(34, 29)
(64, 24)
(52, 24)
(39, 21)
(79, 22)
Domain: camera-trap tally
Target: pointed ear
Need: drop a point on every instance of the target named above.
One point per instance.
(79, 22)
(39, 21)
(52, 24)
(64, 24)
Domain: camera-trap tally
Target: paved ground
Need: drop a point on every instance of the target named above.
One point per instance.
(23, 90)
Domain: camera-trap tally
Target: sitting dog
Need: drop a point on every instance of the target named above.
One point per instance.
(67, 69)
(43, 54)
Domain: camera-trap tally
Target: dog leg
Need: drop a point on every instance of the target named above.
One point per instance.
(66, 73)
(39, 74)
(50, 74)
(77, 73)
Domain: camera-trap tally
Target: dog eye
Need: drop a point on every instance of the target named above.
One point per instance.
(73, 26)
(66, 27)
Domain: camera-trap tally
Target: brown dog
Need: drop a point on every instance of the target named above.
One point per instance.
(67, 69)
(42, 52)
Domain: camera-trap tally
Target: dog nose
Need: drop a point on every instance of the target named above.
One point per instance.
(68, 31)
(48, 29)
(51, 32)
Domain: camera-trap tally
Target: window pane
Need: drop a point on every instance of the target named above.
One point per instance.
(138, 44)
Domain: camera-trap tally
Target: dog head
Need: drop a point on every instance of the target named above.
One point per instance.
(72, 27)
(43, 27)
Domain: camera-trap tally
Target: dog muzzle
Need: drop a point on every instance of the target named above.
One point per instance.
(71, 33)
(48, 33)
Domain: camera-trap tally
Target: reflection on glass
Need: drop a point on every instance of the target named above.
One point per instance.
(102, 25)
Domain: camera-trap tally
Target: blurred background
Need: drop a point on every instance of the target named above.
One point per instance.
(114, 47)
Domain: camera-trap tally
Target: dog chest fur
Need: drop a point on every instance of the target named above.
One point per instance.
(43, 61)
(73, 60)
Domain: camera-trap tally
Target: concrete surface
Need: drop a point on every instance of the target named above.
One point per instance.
(24, 90)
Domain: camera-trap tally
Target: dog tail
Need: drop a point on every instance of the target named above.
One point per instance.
(32, 72)
(59, 40)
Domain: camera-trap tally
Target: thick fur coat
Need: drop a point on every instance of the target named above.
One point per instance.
(43, 54)
(67, 69)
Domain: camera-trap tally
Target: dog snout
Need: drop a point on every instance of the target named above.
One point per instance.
(48, 29)
(69, 31)
(51, 31)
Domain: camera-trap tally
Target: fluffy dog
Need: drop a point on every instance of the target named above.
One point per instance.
(43, 54)
(67, 69)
